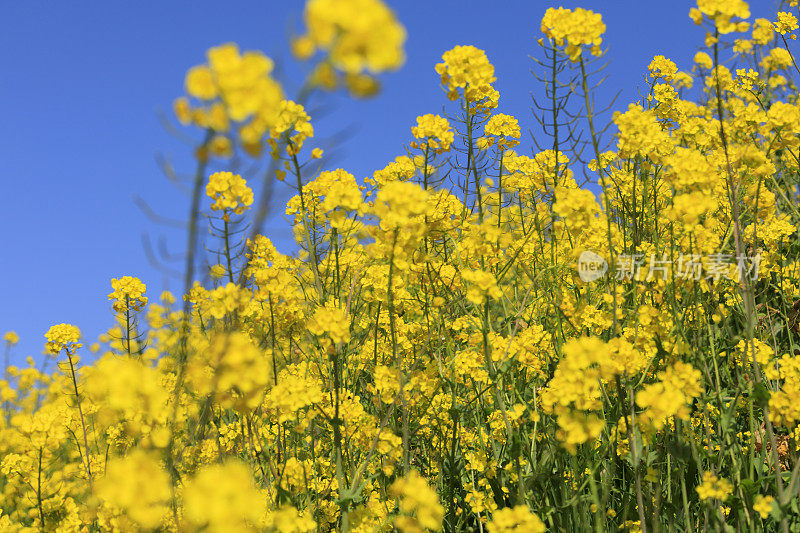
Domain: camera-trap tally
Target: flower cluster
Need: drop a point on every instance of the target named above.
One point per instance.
(229, 192)
(432, 132)
(670, 396)
(128, 294)
(466, 68)
(330, 321)
(294, 122)
(574, 29)
(714, 487)
(419, 504)
(11, 337)
(786, 23)
(232, 87)
(234, 370)
(62, 337)
(722, 13)
(502, 129)
(358, 37)
(519, 518)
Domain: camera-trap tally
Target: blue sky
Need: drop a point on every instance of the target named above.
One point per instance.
(83, 83)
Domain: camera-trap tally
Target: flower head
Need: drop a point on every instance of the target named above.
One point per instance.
(62, 337)
(432, 132)
(763, 505)
(714, 487)
(358, 35)
(223, 498)
(519, 518)
(786, 23)
(419, 506)
(722, 13)
(234, 370)
(466, 68)
(229, 192)
(505, 128)
(11, 338)
(574, 29)
(231, 87)
(128, 294)
(294, 123)
(137, 485)
(330, 320)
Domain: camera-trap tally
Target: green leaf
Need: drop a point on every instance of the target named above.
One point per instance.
(761, 394)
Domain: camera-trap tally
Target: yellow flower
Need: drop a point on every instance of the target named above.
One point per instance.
(467, 68)
(762, 31)
(358, 35)
(128, 294)
(221, 146)
(287, 519)
(325, 77)
(331, 321)
(763, 505)
(11, 338)
(419, 506)
(722, 12)
(482, 285)
(703, 60)
(663, 68)
(435, 131)
(293, 122)
(229, 192)
(217, 271)
(506, 128)
(786, 23)
(183, 111)
(640, 132)
(513, 519)
(138, 486)
(234, 370)
(399, 205)
(340, 189)
(679, 385)
(361, 85)
(574, 29)
(200, 83)
(714, 487)
(232, 86)
(401, 169)
(295, 389)
(129, 390)
(223, 498)
(62, 336)
(303, 47)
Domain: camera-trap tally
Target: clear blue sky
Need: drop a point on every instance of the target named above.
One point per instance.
(82, 83)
